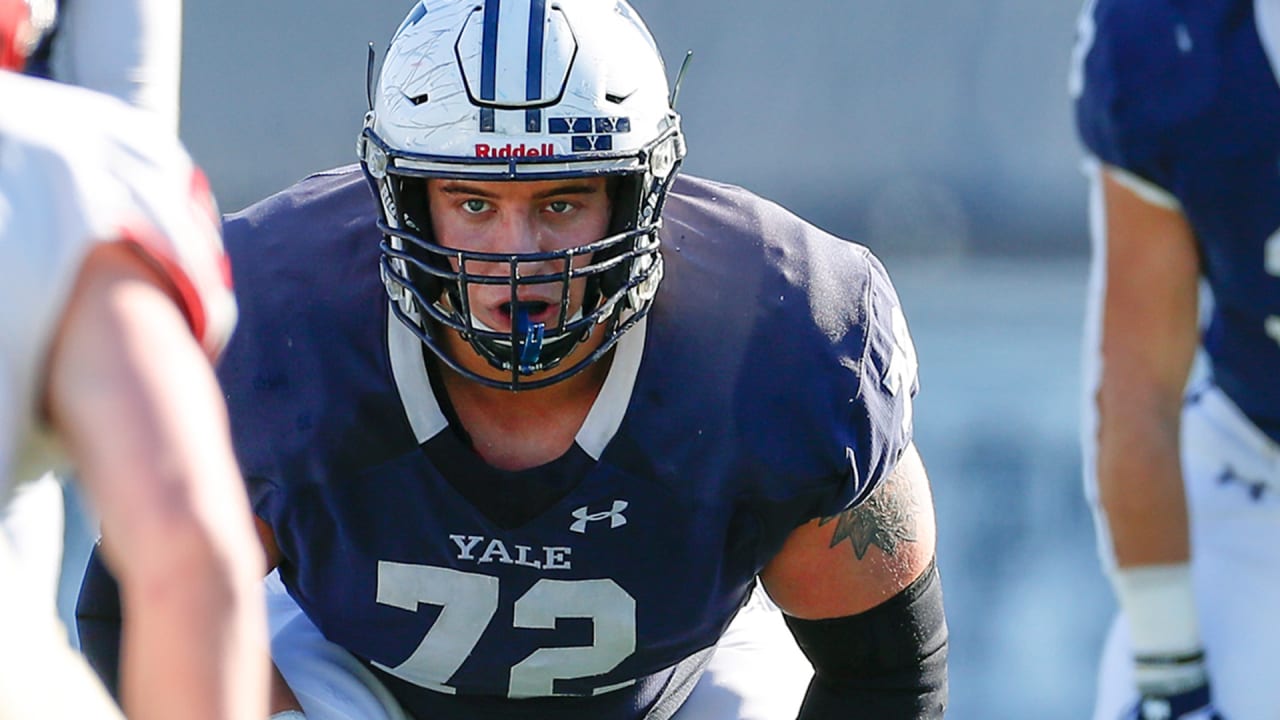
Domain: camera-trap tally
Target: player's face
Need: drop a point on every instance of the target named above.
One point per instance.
(520, 218)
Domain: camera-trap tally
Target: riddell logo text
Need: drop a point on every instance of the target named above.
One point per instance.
(509, 150)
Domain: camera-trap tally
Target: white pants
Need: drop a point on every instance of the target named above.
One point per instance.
(32, 523)
(757, 672)
(1232, 475)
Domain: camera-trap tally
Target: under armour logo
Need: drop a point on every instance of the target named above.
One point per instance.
(614, 516)
(1255, 488)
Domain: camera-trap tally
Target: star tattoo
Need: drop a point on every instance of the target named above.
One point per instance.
(885, 520)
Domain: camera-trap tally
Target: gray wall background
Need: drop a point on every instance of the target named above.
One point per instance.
(937, 133)
(911, 125)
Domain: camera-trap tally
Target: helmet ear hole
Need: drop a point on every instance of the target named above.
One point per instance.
(415, 215)
(625, 197)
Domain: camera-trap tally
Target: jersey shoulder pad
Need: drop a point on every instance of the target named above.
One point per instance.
(838, 332)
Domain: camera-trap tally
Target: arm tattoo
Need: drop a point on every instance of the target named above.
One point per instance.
(886, 519)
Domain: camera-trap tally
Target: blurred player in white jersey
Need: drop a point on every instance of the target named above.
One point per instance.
(130, 49)
(115, 293)
(1178, 105)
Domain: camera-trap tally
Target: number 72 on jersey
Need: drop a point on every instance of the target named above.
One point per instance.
(468, 603)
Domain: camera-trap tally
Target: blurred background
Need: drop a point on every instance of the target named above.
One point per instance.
(939, 134)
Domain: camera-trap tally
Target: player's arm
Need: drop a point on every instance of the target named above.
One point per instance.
(134, 397)
(1148, 342)
(98, 622)
(1149, 334)
(862, 596)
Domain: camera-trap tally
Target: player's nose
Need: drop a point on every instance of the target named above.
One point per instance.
(522, 233)
(516, 233)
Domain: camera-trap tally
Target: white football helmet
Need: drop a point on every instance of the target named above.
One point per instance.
(521, 90)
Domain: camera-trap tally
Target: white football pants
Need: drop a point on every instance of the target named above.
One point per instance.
(757, 672)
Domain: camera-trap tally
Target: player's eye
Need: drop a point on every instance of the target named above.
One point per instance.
(474, 206)
(559, 207)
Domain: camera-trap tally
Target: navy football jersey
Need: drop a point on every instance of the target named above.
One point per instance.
(770, 384)
(1184, 95)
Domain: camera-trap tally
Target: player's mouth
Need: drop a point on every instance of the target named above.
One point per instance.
(529, 312)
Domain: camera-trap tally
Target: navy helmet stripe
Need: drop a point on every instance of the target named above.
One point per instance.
(417, 13)
(533, 64)
(489, 52)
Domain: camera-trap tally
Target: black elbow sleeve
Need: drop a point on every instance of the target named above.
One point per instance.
(888, 662)
(98, 622)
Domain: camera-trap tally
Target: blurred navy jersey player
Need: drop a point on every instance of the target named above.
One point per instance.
(1179, 106)
(524, 424)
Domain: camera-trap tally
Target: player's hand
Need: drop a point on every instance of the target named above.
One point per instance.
(1193, 704)
(1173, 688)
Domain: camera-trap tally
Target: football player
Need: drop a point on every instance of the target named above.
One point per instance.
(115, 295)
(524, 417)
(129, 49)
(1178, 106)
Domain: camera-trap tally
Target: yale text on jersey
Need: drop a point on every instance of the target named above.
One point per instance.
(482, 550)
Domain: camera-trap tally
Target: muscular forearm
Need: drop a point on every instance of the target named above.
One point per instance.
(98, 624)
(135, 399)
(199, 630)
(191, 618)
(194, 636)
(1140, 479)
(1148, 338)
(190, 573)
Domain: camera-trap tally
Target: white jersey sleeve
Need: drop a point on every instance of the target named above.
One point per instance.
(79, 168)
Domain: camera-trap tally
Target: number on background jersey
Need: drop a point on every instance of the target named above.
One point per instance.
(468, 602)
(903, 366)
